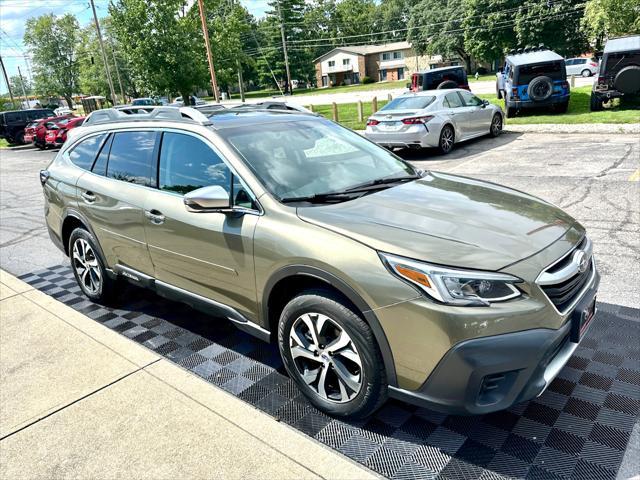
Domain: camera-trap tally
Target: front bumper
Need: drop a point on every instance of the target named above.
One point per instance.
(415, 136)
(488, 374)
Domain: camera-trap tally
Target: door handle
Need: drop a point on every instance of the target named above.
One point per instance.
(88, 197)
(154, 216)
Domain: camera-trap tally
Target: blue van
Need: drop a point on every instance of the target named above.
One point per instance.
(533, 79)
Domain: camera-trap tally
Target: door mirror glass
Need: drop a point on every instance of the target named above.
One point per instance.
(213, 198)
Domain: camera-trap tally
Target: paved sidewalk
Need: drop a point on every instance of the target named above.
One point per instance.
(79, 400)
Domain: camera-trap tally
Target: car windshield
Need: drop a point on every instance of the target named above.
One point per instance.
(526, 73)
(312, 157)
(413, 102)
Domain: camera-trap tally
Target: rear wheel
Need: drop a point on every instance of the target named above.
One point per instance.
(498, 93)
(586, 72)
(89, 268)
(19, 138)
(496, 125)
(447, 139)
(331, 354)
(596, 103)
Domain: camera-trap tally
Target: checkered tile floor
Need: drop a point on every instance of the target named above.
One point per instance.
(579, 428)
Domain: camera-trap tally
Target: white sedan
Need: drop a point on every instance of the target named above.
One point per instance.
(434, 118)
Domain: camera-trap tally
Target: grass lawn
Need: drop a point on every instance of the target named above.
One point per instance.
(490, 77)
(578, 112)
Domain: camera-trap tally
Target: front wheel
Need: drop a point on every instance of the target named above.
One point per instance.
(496, 125)
(89, 268)
(510, 112)
(596, 103)
(562, 107)
(447, 138)
(331, 354)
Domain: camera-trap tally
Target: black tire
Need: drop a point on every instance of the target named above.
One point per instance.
(628, 80)
(447, 139)
(498, 93)
(19, 140)
(447, 84)
(562, 107)
(510, 112)
(372, 391)
(540, 88)
(106, 287)
(496, 125)
(596, 103)
(586, 73)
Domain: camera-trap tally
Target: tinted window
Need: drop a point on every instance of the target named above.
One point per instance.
(84, 153)
(470, 100)
(187, 163)
(526, 73)
(452, 100)
(100, 166)
(131, 157)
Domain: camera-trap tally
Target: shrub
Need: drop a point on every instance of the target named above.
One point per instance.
(366, 80)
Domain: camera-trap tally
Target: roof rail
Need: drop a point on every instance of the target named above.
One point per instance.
(179, 114)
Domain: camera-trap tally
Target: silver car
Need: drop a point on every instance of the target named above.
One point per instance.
(581, 66)
(434, 118)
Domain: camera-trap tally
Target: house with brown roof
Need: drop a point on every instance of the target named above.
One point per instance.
(348, 65)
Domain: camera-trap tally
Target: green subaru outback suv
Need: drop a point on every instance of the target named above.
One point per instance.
(375, 279)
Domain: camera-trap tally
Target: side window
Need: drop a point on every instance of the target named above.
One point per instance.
(100, 166)
(132, 157)
(187, 163)
(84, 153)
(452, 100)
(470, 100)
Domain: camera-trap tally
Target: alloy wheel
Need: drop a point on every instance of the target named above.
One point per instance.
(496, 125)
(86, 265)
(325, 357)
(446, 140)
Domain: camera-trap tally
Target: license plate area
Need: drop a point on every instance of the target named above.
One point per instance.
(390, 126)
(581, 318)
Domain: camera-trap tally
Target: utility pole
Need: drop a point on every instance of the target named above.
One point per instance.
(212, 70)
(24, 91)
(104, 55)
(240, 81)
(6, 79)
(115, 64)
(284, 48)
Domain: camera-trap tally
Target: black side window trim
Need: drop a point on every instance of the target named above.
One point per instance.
(106, 143)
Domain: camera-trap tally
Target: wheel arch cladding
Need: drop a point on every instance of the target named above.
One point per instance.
(287, 282)
(72, 220)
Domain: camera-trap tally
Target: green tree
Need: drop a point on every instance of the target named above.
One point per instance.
(164, 46)
(394, 15)
(489, 28)
(17, 82)
(436, 28)
(610, 18)
(53, 43)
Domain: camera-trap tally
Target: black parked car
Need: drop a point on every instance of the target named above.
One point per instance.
(619, 72)
(13, 122)
(438, 78)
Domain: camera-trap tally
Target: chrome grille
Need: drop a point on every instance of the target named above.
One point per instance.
(564, 280)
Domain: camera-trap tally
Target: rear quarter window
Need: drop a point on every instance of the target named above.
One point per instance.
(84, 153)
(132, 158)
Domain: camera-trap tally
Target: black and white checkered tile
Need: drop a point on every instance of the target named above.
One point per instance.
(579, 428)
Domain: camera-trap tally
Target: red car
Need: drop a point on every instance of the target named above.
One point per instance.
(36, 131)
(57, 132)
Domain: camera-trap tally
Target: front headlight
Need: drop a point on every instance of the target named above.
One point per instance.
(452, 286)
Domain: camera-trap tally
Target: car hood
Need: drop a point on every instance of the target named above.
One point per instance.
(448, 220)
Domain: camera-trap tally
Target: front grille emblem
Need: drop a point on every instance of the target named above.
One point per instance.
(581, 260)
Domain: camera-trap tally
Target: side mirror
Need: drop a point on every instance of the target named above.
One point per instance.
(485, 103)
(208, 199)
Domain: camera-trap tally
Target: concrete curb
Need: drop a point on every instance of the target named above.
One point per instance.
(598, 128)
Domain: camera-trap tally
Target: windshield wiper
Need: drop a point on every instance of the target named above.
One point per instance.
(380, 183)
(328, 197)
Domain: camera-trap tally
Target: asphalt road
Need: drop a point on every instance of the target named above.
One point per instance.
(587, 175)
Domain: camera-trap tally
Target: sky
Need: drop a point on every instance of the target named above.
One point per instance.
(14, 15)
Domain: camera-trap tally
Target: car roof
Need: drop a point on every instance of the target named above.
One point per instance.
(442, 69)
(539, 56)
(239, 117)
(622, 44)
(440, 92)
